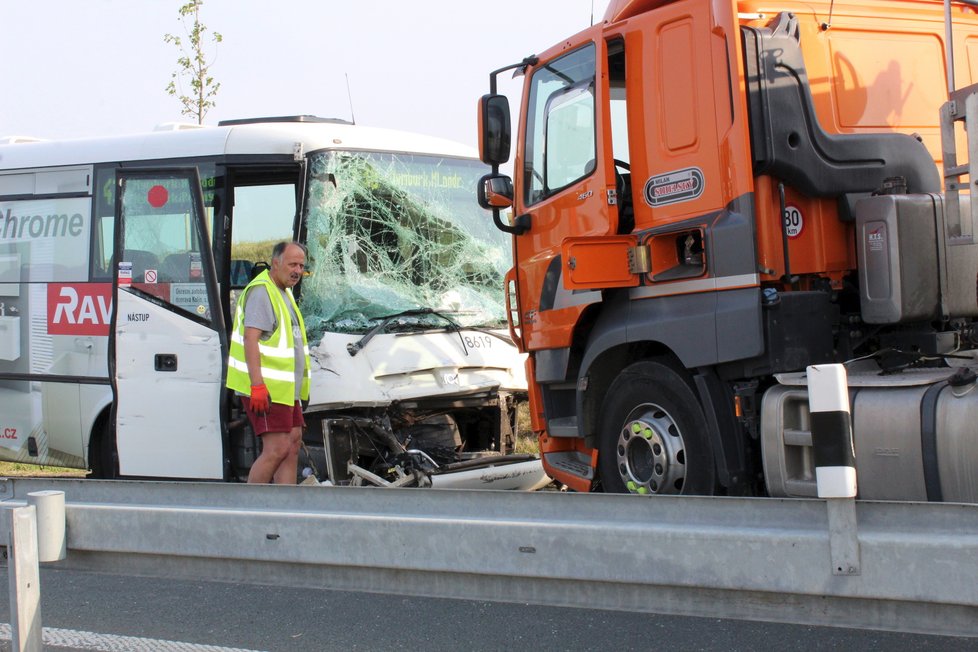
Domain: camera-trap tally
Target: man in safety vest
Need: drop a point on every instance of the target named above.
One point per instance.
(268, 363)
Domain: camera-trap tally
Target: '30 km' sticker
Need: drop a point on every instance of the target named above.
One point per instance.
(794, 223)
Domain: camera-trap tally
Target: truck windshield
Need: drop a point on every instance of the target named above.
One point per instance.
(389, 233)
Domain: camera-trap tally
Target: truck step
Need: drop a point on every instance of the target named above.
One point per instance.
(571, 462)
(562, 427)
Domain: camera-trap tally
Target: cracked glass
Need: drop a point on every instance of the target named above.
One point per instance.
(399, 233)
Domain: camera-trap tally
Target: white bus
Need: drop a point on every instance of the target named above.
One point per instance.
(120, 259)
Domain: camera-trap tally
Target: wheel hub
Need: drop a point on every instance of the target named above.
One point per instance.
(651, 453)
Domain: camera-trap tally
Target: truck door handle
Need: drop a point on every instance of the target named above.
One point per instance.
(166, 362)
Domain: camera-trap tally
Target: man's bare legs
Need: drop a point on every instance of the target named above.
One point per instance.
(288, 469)
(279, 458)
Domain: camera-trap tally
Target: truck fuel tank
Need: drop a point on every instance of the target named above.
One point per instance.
(914, 433)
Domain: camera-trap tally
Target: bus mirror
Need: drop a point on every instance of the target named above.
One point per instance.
(494, 129)
(495, 191)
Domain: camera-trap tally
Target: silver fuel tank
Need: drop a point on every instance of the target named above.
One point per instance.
(915, 435)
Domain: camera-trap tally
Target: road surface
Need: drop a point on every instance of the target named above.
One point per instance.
(94, 611)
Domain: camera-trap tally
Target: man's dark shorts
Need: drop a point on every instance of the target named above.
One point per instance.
(279, 418)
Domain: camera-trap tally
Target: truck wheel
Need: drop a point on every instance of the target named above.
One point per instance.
(653, 436)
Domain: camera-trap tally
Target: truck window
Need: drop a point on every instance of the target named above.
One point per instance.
(560, 135)
(569, 136)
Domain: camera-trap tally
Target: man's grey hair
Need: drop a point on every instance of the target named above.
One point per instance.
(279, 249)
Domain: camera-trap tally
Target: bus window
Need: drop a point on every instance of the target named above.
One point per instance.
(161, 253)
(104, 220)
(263, 215)
(103, 224)
(391, 232)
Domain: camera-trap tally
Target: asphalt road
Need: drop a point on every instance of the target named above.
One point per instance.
(90, 611)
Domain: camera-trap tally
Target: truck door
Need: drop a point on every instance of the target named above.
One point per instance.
(168, 347)
(566, 185)
(651, 100)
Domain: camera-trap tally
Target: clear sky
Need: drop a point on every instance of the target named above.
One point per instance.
(99, 67)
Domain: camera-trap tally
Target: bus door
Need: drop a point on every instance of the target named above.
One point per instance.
(169, 348)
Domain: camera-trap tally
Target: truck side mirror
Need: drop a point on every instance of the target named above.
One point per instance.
(495, 191)
(494, 129)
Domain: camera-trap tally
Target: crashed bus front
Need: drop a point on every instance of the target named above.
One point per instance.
(405, 303)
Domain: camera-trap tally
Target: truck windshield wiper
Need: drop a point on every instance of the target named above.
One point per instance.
(355, 347)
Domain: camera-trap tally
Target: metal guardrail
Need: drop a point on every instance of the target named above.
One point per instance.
(740, 558)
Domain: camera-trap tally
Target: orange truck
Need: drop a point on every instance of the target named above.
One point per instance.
(708, 197)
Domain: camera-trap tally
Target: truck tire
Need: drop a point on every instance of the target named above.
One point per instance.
(653, 436)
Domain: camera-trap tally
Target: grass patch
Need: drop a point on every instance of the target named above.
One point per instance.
(526, 440)
(22, 470)
(255, 251)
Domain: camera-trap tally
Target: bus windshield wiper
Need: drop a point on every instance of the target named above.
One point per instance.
(355, 347)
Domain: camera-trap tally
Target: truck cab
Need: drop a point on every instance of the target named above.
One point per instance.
(708, 197)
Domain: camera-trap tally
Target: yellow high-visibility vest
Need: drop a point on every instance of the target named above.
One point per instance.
(277, 352)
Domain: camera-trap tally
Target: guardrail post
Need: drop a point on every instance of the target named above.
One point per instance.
(24, 578)
(51, 539)
(835, 462)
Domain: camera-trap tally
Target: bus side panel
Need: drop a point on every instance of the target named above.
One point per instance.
(53, 323)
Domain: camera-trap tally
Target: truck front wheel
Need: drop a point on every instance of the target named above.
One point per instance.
(653, 436)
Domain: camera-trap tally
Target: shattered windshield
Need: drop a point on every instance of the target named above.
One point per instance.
(391, 233)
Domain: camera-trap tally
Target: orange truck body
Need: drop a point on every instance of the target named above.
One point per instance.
(719, 151)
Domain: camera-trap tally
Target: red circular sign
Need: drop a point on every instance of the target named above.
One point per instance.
(157, 196)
